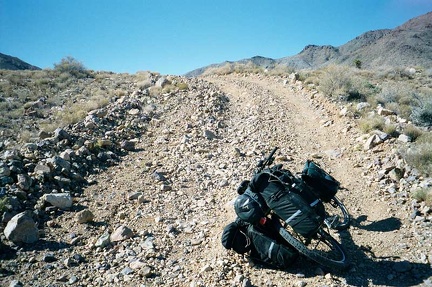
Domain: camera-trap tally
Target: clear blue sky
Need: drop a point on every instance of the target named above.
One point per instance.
(175, 37)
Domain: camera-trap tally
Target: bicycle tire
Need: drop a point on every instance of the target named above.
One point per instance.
(346, 218)
(336, 258)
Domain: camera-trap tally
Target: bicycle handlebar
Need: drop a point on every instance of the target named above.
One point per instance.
(266, 162)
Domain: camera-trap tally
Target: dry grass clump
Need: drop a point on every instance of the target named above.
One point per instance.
(373, 122)
(398, 97)
(423, 195)
(335, 80)
(231, 68)
(281, 71)
(419, 155)
(225, 69)
(412, 131)
(182, 86)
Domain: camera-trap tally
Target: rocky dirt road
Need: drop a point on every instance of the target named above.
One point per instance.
(163, 207)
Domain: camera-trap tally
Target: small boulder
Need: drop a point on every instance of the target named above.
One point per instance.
(22, 229)
(84, 216)
(121, 233)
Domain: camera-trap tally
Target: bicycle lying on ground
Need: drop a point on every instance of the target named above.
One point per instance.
(303, 208)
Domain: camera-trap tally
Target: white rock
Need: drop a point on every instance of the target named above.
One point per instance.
(60, 200)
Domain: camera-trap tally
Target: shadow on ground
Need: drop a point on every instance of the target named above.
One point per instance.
(366, 269)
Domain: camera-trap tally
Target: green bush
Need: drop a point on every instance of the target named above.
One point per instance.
(358, 64)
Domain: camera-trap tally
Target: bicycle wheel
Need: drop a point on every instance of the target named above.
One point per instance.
(339, 218)
(323, 249)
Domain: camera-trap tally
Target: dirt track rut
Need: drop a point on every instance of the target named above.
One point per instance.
(306, 125)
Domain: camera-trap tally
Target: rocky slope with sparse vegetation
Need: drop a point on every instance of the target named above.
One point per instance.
(128, 180)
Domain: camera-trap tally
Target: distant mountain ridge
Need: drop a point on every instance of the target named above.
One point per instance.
(407, 45)
(13, 63)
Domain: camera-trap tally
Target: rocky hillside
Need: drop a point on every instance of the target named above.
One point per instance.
(407, 45)
(137, 193)
(13, 63)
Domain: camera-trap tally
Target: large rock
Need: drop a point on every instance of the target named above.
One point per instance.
(22, 229)
(60, 200)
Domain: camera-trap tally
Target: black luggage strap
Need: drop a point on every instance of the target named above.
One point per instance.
(277, 178)
(277, 195)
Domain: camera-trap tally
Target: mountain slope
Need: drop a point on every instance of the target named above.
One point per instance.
(13, 63)
(407, 45)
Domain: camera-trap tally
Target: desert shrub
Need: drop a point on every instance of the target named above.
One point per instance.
(71, 66)
(362, 89)
(422, 113)
(355, 96)
(281, 70)
(370, 123)
(77, 111)
(398, 97)
(182, 86)
(413, 132)
(335, 80)
(423, 195)
(119, 93)
(225, 69)
(391, 130)
(403, 110)
(14, 79)
(155, 91)
(419, 155)
(168, 88)
(394, 93)
(26, 136)
(144, 84)
(358, 64)
(396, 74)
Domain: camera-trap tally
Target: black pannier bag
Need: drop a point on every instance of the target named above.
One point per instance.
(234, 236)
(261, 240)
(267, 250)
(291, 200)
(250, 207)
(320, 182)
